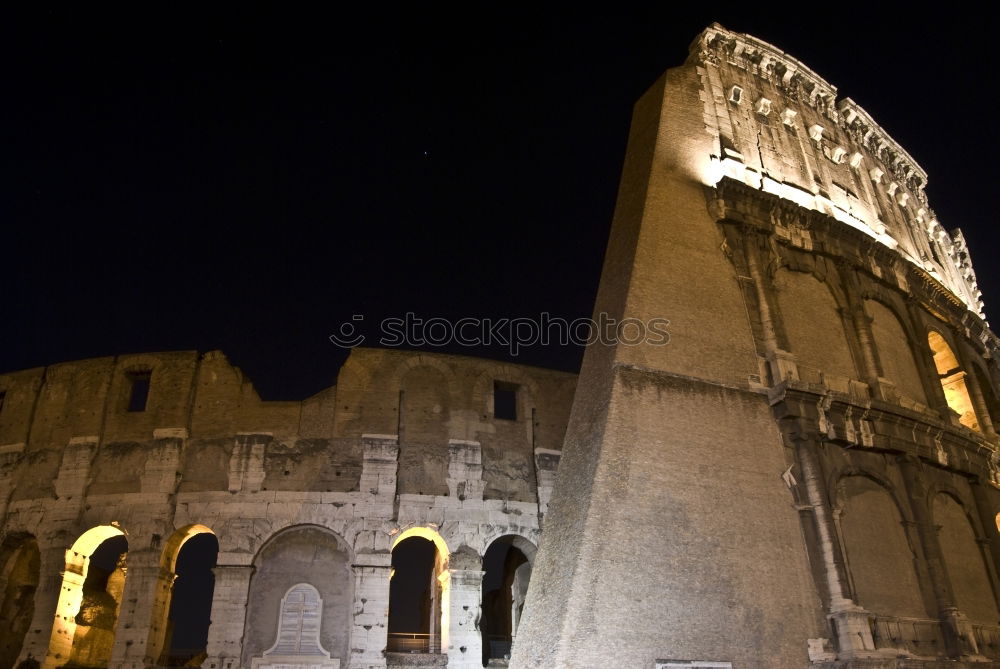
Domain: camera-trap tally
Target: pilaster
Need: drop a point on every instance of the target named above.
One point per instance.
(369, 635)
(464, 602)
(229, 607)
(138, 636)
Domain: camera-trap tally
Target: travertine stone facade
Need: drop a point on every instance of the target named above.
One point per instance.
(314, 492)
(807, 474)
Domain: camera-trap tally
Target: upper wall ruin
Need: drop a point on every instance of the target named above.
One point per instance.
(779, 127)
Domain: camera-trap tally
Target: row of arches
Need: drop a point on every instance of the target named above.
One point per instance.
(417, 609)
(96, 573)
(888, 564)
(834, 337)
(92, 593)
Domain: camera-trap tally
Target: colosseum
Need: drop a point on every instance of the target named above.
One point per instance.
(806, 475)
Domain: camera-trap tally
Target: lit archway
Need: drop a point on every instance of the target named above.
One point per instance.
(183, 564)
(952, 379)
(19, 567)
(83, 630)
(507, 572)
(418, 595)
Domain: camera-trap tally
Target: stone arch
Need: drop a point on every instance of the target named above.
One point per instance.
(895, 349)
(952, 378)
(428, 533)
(297, 554)
(353, 380)
(507, 564)
(527, 543)
(880, 557)
(814, 327)
(19, 576)
(964, 560)
(413, 361)
(157, 644)
(73, 640)
(417, 592)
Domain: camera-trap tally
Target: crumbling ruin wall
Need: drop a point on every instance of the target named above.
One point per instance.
(164, 446)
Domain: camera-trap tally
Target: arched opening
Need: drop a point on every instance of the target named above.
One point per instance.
(507, 571)
(416, 596)
(894, 351)
(964, 561)
(304, 555)
(178, 633)
(879, 555)
(19, 565)
(90, 598)
(815, 330)
(952, 379)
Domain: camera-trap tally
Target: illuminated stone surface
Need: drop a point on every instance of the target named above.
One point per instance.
(768, 489)
(828, 398)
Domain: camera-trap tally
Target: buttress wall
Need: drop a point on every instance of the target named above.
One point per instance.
(807, 473)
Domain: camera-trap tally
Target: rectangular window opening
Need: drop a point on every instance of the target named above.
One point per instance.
(504, 400)
(139, 390)
(3, 396)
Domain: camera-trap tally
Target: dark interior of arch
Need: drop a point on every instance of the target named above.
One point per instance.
(410, 593)
(19, 572)
(500, 566)
(191, 604)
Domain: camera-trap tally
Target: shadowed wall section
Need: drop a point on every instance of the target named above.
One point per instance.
(963, 559)
(879, 555)
(300, 555)
(18, 582)
(895, 352)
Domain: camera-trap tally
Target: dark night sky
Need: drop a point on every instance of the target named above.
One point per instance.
(195, 179)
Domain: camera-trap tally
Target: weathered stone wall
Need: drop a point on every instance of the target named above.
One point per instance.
(397, 444)
(800, 402)
(808, 474)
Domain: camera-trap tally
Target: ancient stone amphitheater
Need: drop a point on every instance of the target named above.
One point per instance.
(805, 475)
(145, 452)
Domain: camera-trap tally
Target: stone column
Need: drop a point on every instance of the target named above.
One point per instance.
(780, 362)
(52, 563)
(140, 632)
(991, 534)
(850, 621)
(975, 391)
(958, 634)
(461, 604)
(371, 610)
(229, 609)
